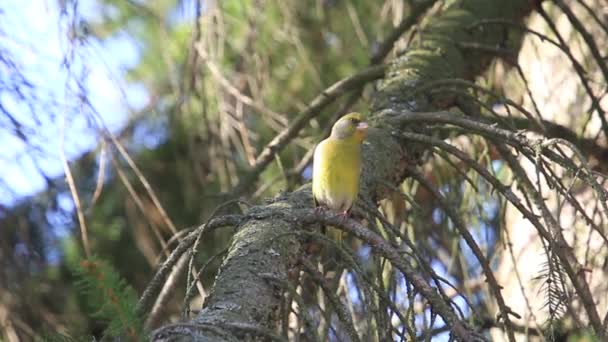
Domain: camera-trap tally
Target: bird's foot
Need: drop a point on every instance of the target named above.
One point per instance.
(344, 215)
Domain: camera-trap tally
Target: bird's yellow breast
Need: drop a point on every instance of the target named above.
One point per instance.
(336, 170)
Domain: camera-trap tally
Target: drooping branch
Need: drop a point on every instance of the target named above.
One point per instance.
(561, 247)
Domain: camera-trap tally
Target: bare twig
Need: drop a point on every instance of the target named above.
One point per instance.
(587, 37)
(165, 293)
(339, 307)
(72, 185)
(578, 68)
(100, 173)
(404, 25)
(144, 182)
(155, 285)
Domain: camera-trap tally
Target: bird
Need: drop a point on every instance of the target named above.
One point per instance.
(337, 165)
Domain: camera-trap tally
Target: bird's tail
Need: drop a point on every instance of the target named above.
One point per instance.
(333, 233)
(329, 231)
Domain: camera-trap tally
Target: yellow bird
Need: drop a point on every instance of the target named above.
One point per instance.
(337, 165)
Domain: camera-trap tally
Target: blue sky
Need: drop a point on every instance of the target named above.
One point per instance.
(35, 36)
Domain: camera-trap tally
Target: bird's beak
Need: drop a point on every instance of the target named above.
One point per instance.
(362, 126)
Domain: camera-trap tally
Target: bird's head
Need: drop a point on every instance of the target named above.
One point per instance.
(350, 126)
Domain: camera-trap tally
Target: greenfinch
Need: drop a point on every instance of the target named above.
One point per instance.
(337, 165)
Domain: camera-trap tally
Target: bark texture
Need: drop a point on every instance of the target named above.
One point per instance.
(245, 299)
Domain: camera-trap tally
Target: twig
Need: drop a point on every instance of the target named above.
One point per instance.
(215, 72)
(587, 37)
(194, 251)
(165, 293)
(592, 12)
(153, 288)
(578, 68)
(339, 307)
(404, 25)
(72, 185)
(139, 203)
(100, 174)
(144, 182)
(191, 285)
(520, 283)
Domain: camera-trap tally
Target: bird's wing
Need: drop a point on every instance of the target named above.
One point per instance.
(319, 171)
(336, 173)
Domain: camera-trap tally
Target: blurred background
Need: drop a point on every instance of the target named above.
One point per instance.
(126, 122)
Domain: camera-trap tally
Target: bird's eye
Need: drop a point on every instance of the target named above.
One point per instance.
(355, 121)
